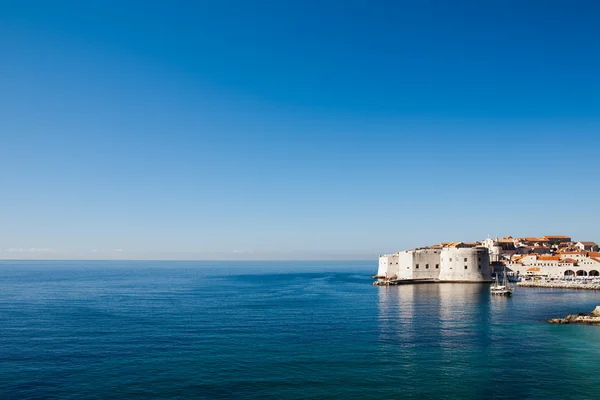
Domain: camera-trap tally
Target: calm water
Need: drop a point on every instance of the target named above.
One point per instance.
(246, 330)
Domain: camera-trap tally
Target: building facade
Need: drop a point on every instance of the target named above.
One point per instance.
(452, 264)
(552, 256)
(587, 246)
(560, 265)
(419, 264)
(465, 264)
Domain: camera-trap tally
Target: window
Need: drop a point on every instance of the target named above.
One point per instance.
(417, 266)
(465, 259)
(465, 267)
(479, 259)
(479, 266)
(427, 266)
(437, 266)
(450, 259)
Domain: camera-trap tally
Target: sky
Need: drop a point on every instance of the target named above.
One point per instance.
(294, 129)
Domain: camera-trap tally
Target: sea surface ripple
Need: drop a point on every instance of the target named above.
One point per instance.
(282, 330)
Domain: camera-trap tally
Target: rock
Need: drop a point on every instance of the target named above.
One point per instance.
(559, 284)
(596, 312)
(592, 318)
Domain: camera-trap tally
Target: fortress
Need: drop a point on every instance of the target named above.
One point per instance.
(446, 262)
(547, 257)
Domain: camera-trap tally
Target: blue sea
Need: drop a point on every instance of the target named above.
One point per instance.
(282, 330)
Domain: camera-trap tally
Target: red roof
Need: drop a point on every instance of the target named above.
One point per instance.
(532, 239)
(568, 261)
(549, 258)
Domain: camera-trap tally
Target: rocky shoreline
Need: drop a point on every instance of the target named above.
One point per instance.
(559, 285)
(592, 318)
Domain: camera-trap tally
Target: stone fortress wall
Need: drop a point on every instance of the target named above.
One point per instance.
(453, 264)
(465, 264)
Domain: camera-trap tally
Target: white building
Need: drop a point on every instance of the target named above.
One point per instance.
(465, 264)
(557, 266)
(419, 264)
(587, 246)
(500, 248)
(455, 262)
(388, 266)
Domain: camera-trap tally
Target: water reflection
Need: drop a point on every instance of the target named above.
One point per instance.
(465, 324)
(437, 329)
(464, 313)
(436, 311)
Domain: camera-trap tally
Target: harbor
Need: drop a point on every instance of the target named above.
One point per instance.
(552, 261)
(396, 282)
(561, 284)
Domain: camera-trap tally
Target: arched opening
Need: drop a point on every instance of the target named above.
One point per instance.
(569, 273)
(594, 273)
(581, 273)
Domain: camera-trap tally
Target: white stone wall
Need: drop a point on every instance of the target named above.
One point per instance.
(388, 265)
(554, 269)
(382, 267)
(426, 264)
(405, 263)
(465, 264)
(495, 253)
(588, 264)
(574, 256)
(419, 264)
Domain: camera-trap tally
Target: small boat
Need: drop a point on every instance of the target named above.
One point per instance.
(501, 290)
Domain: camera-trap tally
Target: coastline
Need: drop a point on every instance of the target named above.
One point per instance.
(398, 282)
(560, 285)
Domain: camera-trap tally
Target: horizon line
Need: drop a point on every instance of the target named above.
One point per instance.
(187, 260)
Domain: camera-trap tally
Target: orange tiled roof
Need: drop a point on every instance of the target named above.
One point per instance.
(568, 261)
(557, 237)
(534, 269)
(549, 258)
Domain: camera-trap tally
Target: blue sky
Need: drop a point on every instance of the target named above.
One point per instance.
(313, 129)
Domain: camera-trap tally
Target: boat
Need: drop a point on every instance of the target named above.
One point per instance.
(501, 290)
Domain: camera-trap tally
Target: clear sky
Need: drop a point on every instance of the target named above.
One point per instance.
(307, 129)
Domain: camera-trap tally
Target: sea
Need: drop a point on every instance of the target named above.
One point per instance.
(282, 330)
